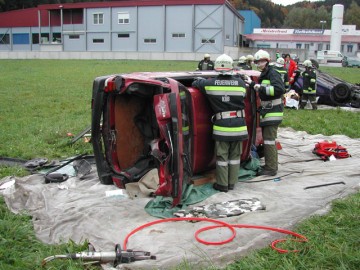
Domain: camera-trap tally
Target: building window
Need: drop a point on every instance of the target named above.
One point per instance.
(206, 41)
(98, 40)
(123, 18)
(4, 39)
(298, 45)
(178, 35)
(342, 48)
(149, 40)
(74, 36)
(227, 37)
(349, 48)
(261, 45)
(123, 35)
(328, 46)
(307, 46)
(98, 18)
(21, 38)
(320, 47)
(44, 38)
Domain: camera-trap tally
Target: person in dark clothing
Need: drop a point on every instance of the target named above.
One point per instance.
(226, 94)
(309, 86)
(249, 62)
(242, 63)
(279, 67)
(206, 63)
(270, 89)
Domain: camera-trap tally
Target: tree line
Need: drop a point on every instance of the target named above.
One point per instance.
(302, 15)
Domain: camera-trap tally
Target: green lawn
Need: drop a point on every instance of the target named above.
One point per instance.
(42, 100)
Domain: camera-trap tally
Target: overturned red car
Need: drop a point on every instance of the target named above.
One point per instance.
(147, 120)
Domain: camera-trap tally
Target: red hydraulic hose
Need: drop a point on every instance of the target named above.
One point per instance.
(221, 224)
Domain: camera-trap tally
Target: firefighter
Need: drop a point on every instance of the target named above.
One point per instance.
(226, 94)
(291, 67)
(249, 62)
(277, 55)
(279, 67)
(242, 63)
(309, 85)
(271, 89)
(206, 63)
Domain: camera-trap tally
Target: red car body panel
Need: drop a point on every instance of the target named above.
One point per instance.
(163, 116)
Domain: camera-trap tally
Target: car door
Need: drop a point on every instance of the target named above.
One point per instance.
(168, 113)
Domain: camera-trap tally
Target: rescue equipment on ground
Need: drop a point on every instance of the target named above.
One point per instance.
(326, 149)
(118, 256)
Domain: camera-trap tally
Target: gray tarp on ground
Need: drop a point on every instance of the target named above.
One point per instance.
(82, 211)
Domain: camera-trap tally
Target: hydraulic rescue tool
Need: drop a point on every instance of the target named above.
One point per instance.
(118, 256)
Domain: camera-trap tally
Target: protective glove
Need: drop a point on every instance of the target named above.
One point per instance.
(247, 80)
(257, 87)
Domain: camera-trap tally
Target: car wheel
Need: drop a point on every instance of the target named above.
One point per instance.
(315, 63)
(340, 94)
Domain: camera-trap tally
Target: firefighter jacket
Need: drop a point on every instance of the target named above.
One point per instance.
(284, 75)
(309, 81)
(242, 66)
(271, 92)
(206, 65)
(226, 95)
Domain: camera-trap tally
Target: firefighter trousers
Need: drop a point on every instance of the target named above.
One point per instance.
(270, 151)
(311, 98)
(228, 156)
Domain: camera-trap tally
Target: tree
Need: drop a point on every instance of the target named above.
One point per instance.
(352, 15)
(307, 18)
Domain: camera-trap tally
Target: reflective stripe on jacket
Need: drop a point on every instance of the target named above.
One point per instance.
(309, 82)
(272, 88)
(225, 93)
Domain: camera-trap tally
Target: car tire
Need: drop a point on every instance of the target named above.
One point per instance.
(340, 94)
(315, 63)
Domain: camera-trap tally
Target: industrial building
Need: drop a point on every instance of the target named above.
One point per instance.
(312, 40)
(156, 26)
(343, 38)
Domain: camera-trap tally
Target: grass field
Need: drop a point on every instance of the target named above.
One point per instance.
(42, 100)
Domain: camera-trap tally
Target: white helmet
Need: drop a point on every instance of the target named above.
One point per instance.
(242, 59)
(206, 55)
(249, 57)
(223, 64)
(261, 55)
(307, 63)
(280, 61)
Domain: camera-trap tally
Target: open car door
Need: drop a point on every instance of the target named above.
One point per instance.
(136, 126)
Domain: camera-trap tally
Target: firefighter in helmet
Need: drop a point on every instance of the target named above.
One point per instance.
(226, 94)
(309, 85)
(279, 67)
(206, 63)
(242, 63)
(270, 89)
(249, 62)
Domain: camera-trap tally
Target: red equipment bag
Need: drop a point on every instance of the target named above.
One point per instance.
(326, 149)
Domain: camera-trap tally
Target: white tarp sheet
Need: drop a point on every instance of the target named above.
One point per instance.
(79, 209)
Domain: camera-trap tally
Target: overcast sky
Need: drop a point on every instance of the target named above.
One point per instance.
(288, 2)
